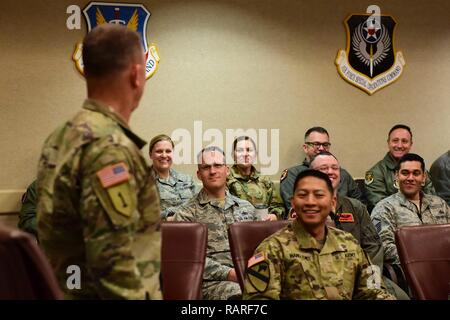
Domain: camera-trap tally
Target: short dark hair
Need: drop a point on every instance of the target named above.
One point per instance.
(400, 126)
(411, 157)
(108, 49)
(240, 138)
(323, 153)
(314, 173)
(210, 149)
(316, 129)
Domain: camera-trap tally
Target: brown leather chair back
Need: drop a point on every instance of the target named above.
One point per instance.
(244, 237)
(183, 254)
(25, 272)
(424, 253)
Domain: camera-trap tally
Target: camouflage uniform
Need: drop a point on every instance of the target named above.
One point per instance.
(256, 189)
(217, 216)
(110, 231)
(396, 211)
(347, 186)
(380, 181)
(440, 175)
(174, 191)
(27, 214)
(292, 266)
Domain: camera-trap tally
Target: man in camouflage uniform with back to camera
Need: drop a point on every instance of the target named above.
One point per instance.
(380, 179)
(216, 207)
(309, 260)
(316, 141)
(408, 207)
(98, 207)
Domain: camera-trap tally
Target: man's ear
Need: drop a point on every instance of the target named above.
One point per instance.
(135, 79)
(305, 148)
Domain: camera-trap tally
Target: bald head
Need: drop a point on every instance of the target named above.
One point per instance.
(109, 49)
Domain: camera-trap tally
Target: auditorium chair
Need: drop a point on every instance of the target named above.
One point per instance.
(244, 237)
(183, 254)
(424, 253)
(25, 273)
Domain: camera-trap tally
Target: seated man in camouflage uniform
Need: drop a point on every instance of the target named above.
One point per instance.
(380, 179)
(408, 207)
(217, 208)
(316, 140)
(440, 175)
(309, 260)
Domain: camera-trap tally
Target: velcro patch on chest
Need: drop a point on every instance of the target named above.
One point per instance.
(346, 217)
(113, 174)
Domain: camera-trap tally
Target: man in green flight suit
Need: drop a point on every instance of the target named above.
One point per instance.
(309, 260)
(380, 179)
(98, 207)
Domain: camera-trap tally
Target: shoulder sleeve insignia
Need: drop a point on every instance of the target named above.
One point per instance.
(368, 178)
(284, 175)
(114, 174)
(346, 217)
(258, 272)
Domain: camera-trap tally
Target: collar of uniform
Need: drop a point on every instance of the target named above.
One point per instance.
(254, 175)
(171, 181)
(390, 162)
(96, 106)
(203, 198)
(424, 201)
(306, 163)
(307, 241)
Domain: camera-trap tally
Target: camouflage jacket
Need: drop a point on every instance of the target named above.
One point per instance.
(217, 218)
(396, 211)
(347, 186)
(98, 208)
(256, 189)
(380, 181)
(440, 175)
(27, 214)
(352, 216)
(290, 265)
(174, 191)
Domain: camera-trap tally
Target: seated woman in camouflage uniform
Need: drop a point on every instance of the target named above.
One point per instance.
(174, 188)
(245, 182)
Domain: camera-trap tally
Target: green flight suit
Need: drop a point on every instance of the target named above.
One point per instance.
(27, 214)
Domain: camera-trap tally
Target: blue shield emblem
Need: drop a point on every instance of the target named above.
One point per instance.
(133, 16)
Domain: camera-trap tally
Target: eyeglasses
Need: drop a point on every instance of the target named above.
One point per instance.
(325, 145)
(207, 167)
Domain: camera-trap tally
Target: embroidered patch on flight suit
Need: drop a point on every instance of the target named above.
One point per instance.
(284, 175)
(258, 272)
(368, 178)
(114, 179)
(345, 217)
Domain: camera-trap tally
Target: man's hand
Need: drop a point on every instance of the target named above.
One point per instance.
(232, 276)
(271, 217)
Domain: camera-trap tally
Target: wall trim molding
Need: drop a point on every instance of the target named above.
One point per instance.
(10, 200)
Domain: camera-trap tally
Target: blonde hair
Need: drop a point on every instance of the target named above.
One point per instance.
(158, 138)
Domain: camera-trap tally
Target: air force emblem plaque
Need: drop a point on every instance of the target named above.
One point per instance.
(133, 16)
(370, 61)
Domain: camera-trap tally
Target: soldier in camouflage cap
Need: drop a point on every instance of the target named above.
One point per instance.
(309, 260)
(174, 187)
(245, 182)
(408, 207)
(98, 207)
(217, 208)
(380, 179)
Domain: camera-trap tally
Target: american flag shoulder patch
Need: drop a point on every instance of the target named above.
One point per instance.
(257, 258)
(113, 174)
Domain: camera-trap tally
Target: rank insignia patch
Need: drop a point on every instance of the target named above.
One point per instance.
(368, 178)
(283, 175)
(133, 16)
(370, 61)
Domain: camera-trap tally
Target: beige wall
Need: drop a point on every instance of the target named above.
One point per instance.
(260, 64)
